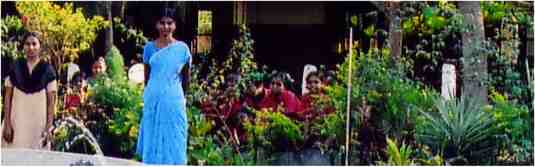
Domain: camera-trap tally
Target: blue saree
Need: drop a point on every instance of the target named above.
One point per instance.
(164, 127)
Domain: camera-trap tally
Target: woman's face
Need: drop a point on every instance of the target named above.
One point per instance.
(97, 68)
(314, 84)
(166, 26)
(277, 87)
(32, 46)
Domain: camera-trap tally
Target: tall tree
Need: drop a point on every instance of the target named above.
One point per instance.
(119, 8)
(395, 32)
(474, 64)
(109, 31)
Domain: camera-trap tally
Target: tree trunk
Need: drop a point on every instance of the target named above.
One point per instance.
(119, 8)
(474, 63)
(109, 31)
(395, 31)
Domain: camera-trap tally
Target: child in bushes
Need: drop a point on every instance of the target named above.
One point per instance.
(315, 102)
(279, 99)
(76, 94)
(225, 107)
(254, 95)
(98, 69)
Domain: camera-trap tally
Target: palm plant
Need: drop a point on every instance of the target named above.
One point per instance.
(460, 130)
(398, 155)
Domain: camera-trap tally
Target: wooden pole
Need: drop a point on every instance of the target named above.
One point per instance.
(348, 112)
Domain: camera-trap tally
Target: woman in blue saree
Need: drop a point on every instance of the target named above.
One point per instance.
(164, 126)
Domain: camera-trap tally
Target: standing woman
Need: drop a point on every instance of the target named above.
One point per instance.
(30, 98)
(164, 126)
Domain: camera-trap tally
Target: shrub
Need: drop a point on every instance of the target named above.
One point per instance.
(274, 129)
(459, 130)
(398, 155)
(11, 33)
(115, 64)
(122, 103)
(516, 123)
(65, 31)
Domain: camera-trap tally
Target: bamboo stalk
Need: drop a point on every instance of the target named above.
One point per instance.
(348, 114)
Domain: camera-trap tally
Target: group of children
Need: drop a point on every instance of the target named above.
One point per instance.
(230, 107)
(75, 92)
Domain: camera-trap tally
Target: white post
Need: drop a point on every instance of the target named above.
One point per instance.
(348, 112)
(448, 87)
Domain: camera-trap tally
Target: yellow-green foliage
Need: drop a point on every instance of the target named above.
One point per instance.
(273, 127)
(65, 31)
(11, 28)
(398, 156)
(115, 62)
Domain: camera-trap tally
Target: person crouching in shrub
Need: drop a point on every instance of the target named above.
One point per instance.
(231, 107)
(315, 102)
(255, 95)
(222, 107)
(98, 69)
(76, 94)
(279, 99)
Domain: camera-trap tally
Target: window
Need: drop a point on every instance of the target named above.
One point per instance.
(205, 22)
(204, 31)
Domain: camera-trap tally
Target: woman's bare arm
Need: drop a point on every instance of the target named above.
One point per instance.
(185, 77)
(51, 107)
(7, 104)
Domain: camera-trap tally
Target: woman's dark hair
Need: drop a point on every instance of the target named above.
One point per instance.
(77, 78)
(278, 76)
(285, 78)
(28, 35)
(166, 12)
(314, 73)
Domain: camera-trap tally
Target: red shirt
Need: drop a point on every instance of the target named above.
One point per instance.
(73, 101)
(258, 102)
(286, 99)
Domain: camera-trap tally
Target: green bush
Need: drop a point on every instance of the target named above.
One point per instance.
(66, 32)
(459, 131)
(202, 149)
(128, 34)
(11, 33)
(516, 122)
(115, 64)
(398, 155)
(122, 103)
(394, 98)
(274, 129)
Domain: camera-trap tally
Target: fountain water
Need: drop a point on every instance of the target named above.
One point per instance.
(43, 157)
(86, 134)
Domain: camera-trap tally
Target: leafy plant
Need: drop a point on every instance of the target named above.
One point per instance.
(398, 155)
(11, 33)
(206, 153)
(273, 130)
(129, 34)
(459, 130)
(115, 63)
(65, 31)
(331, 125)
(423, 156)
(122, 103)
(516, 122)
